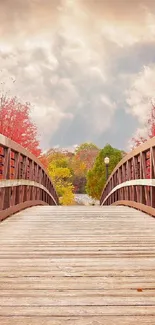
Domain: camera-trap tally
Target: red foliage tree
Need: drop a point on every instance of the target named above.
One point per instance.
(16, 124)
(150, 127)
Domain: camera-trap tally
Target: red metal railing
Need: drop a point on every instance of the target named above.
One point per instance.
(23, 180)
(132, 182)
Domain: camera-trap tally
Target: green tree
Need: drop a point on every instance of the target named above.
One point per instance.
(96, 177)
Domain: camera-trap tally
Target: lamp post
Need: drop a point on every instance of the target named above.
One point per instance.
(106, 161)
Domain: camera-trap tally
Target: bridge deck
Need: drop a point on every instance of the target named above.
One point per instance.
(77, 266)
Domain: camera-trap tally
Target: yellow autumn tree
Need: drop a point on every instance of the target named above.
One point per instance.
(61, 176)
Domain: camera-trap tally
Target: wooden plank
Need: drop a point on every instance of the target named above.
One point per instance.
(10, 272)
(93, 320)
(77, 293)
(77, 311)
(37, 301)
(68, 282)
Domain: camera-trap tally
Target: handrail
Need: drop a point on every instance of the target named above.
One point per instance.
(23, 179)
(126, 183)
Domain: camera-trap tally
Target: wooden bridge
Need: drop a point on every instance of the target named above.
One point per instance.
(76, 265)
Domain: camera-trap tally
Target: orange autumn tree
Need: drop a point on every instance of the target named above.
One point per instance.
(87, 153)
(16, 124)
(44, 161)
(82, 162)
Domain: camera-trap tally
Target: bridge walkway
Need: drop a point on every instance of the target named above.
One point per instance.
(77, 266)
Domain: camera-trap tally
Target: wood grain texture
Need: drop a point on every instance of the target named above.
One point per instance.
(77, 266)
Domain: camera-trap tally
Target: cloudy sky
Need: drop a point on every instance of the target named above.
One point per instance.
(87, 66)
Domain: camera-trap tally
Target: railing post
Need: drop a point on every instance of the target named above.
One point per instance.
(152, 175)
(7, 191)
(16, 176)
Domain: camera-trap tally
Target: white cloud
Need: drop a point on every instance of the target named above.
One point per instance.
(141, 94)
(61, 53)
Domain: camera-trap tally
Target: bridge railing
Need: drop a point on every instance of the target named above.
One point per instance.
(132, 182)
(23, 180)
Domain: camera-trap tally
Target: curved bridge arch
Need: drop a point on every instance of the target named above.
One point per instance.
(132, 182)
(23, 180)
